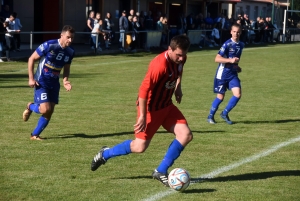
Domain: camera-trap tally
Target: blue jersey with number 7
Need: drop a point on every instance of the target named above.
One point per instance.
(229, 49)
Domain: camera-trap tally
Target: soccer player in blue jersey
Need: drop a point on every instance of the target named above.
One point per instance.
(226, 76)
(53, 56)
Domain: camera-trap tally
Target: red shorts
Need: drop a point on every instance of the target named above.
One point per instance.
(166, 117)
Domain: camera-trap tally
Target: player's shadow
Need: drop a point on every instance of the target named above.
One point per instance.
(208, 190)
(12, 78)
(186, 191)
(249, 176)
(204, 132)
(269, 122)
(83, 135)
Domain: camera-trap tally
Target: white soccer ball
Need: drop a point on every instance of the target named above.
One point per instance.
(179, 179)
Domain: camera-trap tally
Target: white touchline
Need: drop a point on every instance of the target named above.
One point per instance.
(229, 167)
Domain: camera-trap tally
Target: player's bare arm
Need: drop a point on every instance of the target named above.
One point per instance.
(220, 59)
(66, 74)
(141, 122)
(31, 82)
(178, 91)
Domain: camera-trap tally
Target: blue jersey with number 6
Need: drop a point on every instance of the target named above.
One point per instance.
(53, 59)
(229, 49)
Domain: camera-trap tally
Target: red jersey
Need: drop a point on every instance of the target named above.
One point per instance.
(160, 81)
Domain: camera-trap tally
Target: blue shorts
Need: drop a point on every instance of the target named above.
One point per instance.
(43, 95)
(221, 86)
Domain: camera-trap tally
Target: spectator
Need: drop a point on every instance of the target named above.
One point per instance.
(17, 26)
(123, 26)
(129, 34)
(90, 25)
(108, 30)
(190, 21)
(90, 21)
(142, 34)
(215, 34)
(199, 20)
(11, 26)
(208, 21)
(221, 20)
(9, 39)
(165, 32)
(137, 14)
(159, 26)
(208, 30)
(226, 29)
(97, 32)
(180, 24)
(156, 18)
(142, 19)
(257, 31)
(205, 41)
(270, 29)
(2, 38)
(262, 27)
(202, 26)
(135, 28)
(131, 13)
(148, 21)
(218, 18)
(246, 28)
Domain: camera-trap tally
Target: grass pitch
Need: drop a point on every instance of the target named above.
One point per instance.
(100, 110)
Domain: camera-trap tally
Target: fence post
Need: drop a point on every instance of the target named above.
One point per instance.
(31, 41)
(97, 41)
(123, 39)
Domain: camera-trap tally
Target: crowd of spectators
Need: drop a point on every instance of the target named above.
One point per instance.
(132, 28)
(214, 30)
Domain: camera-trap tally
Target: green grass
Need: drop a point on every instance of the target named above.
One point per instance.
(100, 110)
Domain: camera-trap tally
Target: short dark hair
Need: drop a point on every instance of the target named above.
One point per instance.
(68, 28)
(180, 41)
(14, 14)
(236, 25)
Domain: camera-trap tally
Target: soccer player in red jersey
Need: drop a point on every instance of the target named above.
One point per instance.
(155, 109)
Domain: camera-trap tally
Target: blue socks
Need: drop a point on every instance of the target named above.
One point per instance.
(41, 125)
(172, 154)
(118, 150)
(123, 148)
(214, 107)
(35, 108)
(231, 104)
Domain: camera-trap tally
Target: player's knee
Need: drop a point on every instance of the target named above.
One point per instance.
(185, 138)
(46, 110)
(189, 137)
(138, 147)
(239, 95)
(220, 96)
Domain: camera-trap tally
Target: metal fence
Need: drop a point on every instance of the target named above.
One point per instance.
(148, 39)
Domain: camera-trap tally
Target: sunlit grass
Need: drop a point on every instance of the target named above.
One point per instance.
(100, 110)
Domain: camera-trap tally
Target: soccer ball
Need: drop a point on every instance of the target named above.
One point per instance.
(179, 179)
